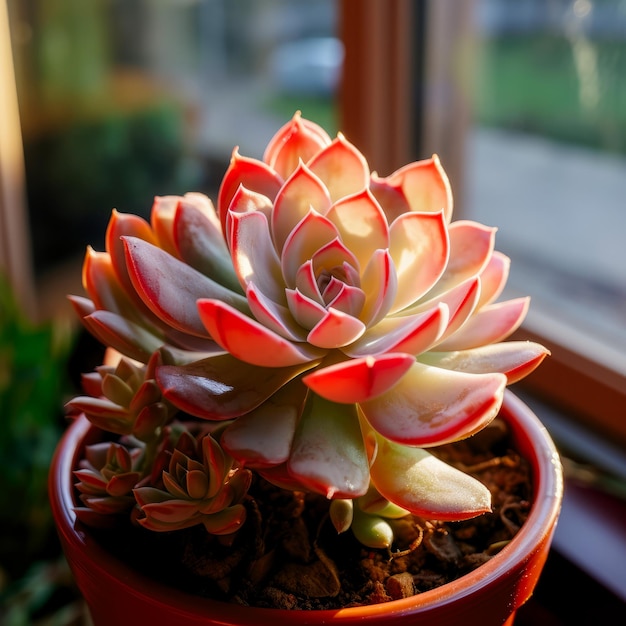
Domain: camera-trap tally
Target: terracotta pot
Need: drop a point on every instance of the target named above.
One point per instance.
(489, 595)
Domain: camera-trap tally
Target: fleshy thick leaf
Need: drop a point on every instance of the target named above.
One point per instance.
(162, 220)
(249, 341)
(471, 247)
(493, 278)
(171, 288)
(302, 193)
(252, 174)
(102, 285)
(462, 301)
(362, 225)
(125, 225)
(120, 226)
(125, 336)
(358, 380)
(312, 233)
(433, 406)
(200, 242)
(298, 140)
(274, 316)
(341, 167)
(263, 437)
(421, 186)
(253, 255)
(246, 201)
(222, 387)
(419, 249)
(225, 522)
(492, 323)
(335, 330)
(328, 454)
(412, 334)
(419, 482)
(102, 414)
(515, 359)
(372, 531)
(379, 283)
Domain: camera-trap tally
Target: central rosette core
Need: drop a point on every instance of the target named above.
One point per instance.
(328, 301)
(340, 287)
(331, 281)
(338, 278)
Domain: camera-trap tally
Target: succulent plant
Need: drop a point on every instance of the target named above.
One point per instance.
(107, 475)
(332, 323)
(124, 399)
(200, 486)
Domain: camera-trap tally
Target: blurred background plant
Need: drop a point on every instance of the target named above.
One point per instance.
(35, 584)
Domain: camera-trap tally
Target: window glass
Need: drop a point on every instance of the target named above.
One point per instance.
(546, 155)
(122, 100)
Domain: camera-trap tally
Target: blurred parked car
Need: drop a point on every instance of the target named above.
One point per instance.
(310, 66)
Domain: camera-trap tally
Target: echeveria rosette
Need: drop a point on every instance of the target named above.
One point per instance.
(201, 485)
(339, 321)
(106, 478)
(124, 399)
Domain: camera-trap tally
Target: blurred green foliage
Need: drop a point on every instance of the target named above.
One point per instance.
(112, 158)
(571, 90)
(33, 382)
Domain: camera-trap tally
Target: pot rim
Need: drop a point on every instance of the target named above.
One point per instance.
(531, 437)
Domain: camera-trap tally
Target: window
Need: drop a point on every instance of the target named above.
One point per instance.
(561, 226)
(546, 161)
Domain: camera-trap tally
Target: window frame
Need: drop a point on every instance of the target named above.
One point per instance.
(15, 258)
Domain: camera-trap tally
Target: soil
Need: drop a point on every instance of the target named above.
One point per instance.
(288, 554)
